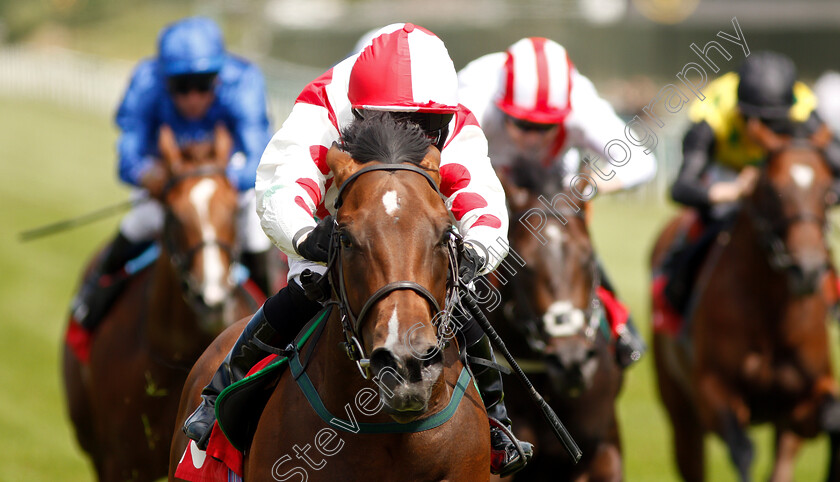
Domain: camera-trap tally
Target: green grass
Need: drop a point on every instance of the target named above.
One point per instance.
(57, 163)
(54, 163)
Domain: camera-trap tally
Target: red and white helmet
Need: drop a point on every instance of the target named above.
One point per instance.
(536, 81)
(404, 69)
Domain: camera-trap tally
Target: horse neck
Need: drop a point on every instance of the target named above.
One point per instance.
(172, 326)
(338, 376)
(747, 258)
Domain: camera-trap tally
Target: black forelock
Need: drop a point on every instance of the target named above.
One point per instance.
(380, 137)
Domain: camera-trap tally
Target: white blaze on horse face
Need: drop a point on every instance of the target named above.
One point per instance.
(556, 324)
(393, 331)
(802, 175)
(391, 202)
(555, 238)
(212, 289)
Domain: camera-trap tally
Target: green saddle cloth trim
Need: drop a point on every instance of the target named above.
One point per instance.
(604, 325)
(270, 369)
(436, 420)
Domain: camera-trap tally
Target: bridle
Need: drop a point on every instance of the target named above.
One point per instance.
(182, 259)
(534, 326)
(351, 323)
(770, 232)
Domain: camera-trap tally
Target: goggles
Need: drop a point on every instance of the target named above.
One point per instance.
(434, 125)
(527, 126)
(184, 84)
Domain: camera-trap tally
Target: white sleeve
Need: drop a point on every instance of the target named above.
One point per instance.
(289, 183)
(593, 124)
(479, 83)
(474, 194)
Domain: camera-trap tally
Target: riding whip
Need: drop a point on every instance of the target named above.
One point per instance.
(556, 425)
(88, 218)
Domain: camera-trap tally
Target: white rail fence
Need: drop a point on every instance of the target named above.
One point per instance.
(96, 84)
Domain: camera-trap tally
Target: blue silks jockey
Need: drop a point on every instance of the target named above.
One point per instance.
(192, 85)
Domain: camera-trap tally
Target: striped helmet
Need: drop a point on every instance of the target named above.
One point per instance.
(536, 81)
(404, 69)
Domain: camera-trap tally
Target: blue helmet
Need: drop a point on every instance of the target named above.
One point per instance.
(191, 46)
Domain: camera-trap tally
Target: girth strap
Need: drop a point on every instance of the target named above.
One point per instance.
(472, 360)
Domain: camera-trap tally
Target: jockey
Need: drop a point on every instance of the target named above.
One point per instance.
(191, 85)
(535, 106)
(720, 161)
(405, 70)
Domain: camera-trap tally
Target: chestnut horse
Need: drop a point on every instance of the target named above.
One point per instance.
(758, 336)
(123, 402)
(391, 258)
(552, 323)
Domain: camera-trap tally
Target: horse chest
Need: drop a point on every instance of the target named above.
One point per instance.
(776, 377)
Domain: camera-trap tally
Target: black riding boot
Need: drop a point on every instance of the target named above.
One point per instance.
(276, 323)
(259, 269)
(244, 355)
(100, 290)
(684, 262)
(629, 347)
(505, 458)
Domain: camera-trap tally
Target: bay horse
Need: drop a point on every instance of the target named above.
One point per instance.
(757, 348)
(391, 258)
(552, 322)
(123, 401)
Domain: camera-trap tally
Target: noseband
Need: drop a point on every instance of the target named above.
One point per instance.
(770, 232)
(532, 325)
(770, 236)
(352, 323)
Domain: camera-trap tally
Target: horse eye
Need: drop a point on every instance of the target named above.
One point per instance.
(346, 241)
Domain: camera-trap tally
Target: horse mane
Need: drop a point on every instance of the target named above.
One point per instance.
(537, 178)
(380, 137)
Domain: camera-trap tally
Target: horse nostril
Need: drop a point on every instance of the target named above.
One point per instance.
(433, 356)
(382, 358)
(554, 359)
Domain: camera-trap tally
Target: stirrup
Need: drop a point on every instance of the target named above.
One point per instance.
(200, 416)
(517, 464)
(629, 347)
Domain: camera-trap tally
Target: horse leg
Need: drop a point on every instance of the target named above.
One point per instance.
(688, 435)
(787, 446)
(834, 457)
(729, 416)
(687, 431)
(606, 464)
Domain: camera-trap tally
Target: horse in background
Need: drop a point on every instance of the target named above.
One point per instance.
(390, 272)
(123, 401)
(755, 348)
(553, 323)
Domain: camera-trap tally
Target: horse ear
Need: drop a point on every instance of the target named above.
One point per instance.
(223, 144)
(169, 150)
(822, 137)
(764, 136)
(431, 163)
(341, 164)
